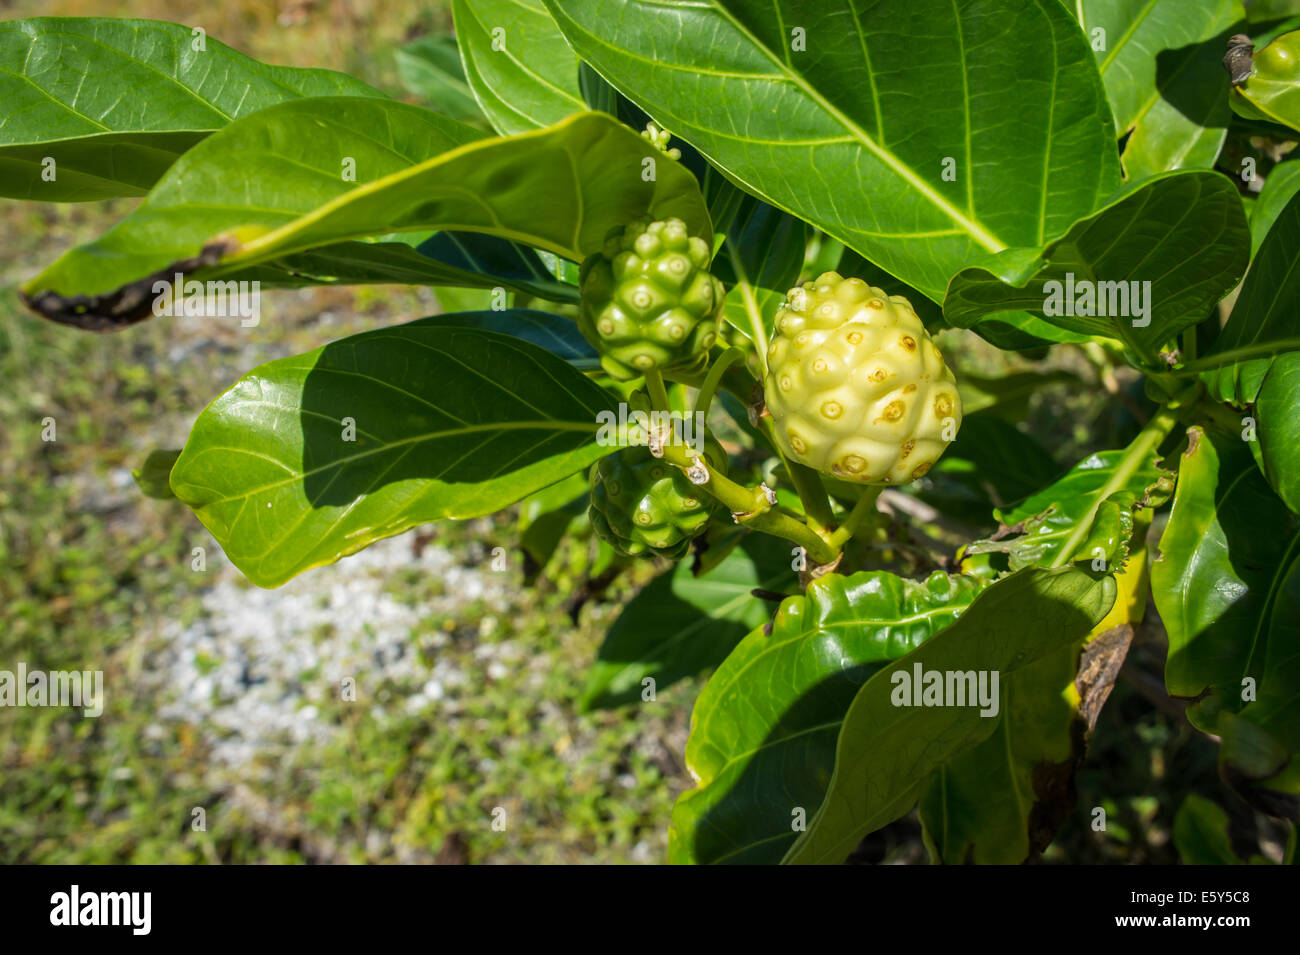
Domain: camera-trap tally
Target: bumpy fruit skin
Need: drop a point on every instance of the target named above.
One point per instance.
(856, 387)
(645, 507)
(648, 300)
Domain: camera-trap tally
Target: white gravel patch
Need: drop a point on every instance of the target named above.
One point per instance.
(253, 669)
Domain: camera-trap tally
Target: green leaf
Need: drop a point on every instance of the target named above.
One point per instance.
(759, 263)
(460, 259)
(680, 624)
(1085, 514)
(762, 741)
(1161, 66)
(115, 102)
(518, 63)
(886, 752)
(1173, 245)
(499, 261)
(556, 334)
(1272, 92)
(1201, 833)
(1282, 184)
(1263, 322)
(1279, 427)
(152, 477)
(979, 807)
(561, 189)
(446, 422)
(545, 517)
(430, 69)
(853, 133)
(1227, 586)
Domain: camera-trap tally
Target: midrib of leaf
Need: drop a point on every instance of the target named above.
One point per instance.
(297, 476)
(966, 226)
(279, 241)
(976, 232)
(1127, 34)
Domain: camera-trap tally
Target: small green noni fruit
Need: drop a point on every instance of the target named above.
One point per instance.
(648, 300)
(856, 387)
(643, 506)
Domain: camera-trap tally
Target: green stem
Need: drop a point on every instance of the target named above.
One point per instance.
(710, 387)
(755, 314)
(866, 505)
(753, 508)
(654, 383)
(1148, 440)
(1237, 354)
(807, 484)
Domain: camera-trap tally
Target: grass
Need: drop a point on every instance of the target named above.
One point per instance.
(94, 575)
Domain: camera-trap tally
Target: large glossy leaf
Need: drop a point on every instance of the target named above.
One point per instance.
(1276, 408)
(886, 753)
(1264, 321)
(560, 189)
(1263, 334)
(1282, 184)
(1160, 63)
(555, 333)
(762, 742)
(310, 458)
(460, 259)
(1227, 586)
(493, 258)
(1084, 514)
(978, 807)
(115, 102)
(851, 127)
(1272, 91)
(1004, 798)
(430, 68)
(680, 624)
(518, 63)
(1184, 233)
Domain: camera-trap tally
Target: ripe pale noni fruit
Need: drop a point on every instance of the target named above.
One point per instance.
(856, 387)
(648, 299)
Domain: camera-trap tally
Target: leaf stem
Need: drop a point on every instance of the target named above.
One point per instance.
(710, 387)
(654, 383)
(807, 484)
(755, 314)
(866, 505)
